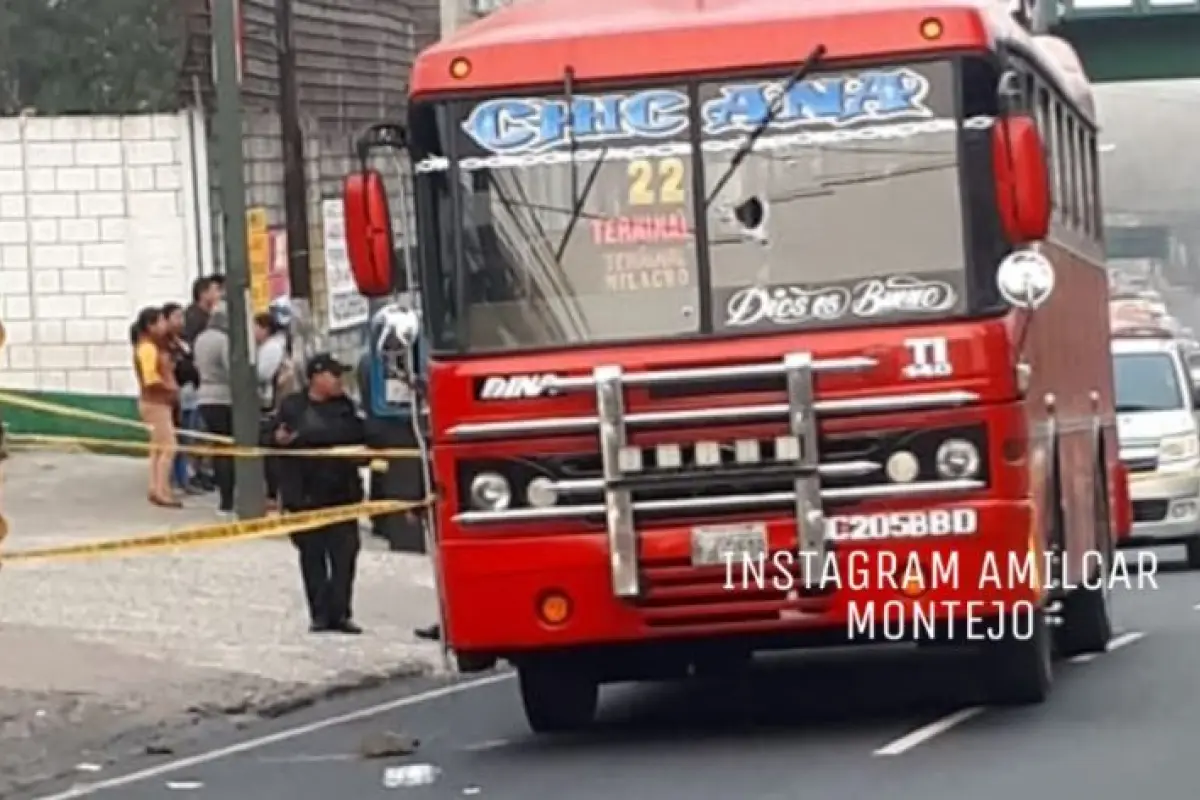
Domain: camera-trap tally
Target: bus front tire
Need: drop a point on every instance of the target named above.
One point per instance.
(557, 700)
(1087, 611)
(1020, 671)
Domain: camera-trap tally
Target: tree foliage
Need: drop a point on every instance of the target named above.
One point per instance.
(89, 56)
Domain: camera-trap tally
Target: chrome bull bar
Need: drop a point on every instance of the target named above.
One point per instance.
(802, 420)
(618, 500)
(801, 411)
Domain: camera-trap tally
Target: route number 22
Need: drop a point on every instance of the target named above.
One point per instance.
(655, 182)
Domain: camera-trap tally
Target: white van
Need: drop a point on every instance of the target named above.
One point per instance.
(1160, 442)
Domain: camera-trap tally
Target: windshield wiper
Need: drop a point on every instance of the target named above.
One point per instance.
(577, 199)
(806, 66)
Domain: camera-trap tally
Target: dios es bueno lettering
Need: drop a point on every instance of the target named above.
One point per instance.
(876, 297)
(512, 125)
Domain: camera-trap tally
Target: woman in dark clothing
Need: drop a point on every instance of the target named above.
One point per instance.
(185, 414)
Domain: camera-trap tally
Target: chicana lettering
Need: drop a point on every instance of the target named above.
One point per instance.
(877, 297)
(524, 125)
(884, 131)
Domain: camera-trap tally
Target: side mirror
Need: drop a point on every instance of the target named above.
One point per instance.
(1022, 180)
(369, 243)
(1025, 279)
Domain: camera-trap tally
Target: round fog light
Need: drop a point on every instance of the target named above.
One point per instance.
(903, 467)
(490, 492)
(957, 459)
(541, 493)
(554, 608)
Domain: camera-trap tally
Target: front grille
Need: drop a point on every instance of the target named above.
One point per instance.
(865, 453)
(676, 594)
(1141, 464)
(1150, 510)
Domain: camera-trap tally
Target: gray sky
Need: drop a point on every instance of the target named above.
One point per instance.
(1150, 161)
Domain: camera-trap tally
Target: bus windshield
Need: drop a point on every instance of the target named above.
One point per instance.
(594, 218)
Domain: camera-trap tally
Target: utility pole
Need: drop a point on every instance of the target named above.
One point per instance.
(249, 491)
(448, 11)
(295, 184)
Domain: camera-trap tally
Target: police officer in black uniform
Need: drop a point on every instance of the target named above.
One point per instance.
(323, 416)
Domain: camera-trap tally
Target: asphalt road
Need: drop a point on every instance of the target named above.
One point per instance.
(827, 726)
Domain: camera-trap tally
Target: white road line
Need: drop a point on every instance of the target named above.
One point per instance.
(1116, 643)
(89, 789)
(926, 732)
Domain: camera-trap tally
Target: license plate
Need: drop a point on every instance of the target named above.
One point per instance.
(717, 545)
(396, 391)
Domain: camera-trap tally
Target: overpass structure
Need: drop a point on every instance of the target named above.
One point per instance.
(1129, 40)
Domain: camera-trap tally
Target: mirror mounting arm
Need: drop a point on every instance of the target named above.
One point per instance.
(381, 135)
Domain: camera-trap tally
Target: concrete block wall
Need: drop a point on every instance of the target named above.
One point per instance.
(99, 216)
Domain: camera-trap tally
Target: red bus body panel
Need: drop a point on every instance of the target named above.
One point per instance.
(493, 575)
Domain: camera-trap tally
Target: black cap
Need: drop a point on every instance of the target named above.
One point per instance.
(325, 362)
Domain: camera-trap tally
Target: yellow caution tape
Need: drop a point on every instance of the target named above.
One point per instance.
(60, 410)
(70, 444)
(225, 444)
(195, 536)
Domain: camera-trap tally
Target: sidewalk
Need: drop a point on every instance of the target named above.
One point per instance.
(100, 657)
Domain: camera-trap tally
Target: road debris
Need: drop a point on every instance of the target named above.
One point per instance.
(184, 786)
(388, 744)
(407, 775)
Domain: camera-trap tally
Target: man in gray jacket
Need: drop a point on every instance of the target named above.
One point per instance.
(211, 357)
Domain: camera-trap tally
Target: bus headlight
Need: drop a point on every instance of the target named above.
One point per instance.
(957, 459)
(540, 493)
(490, 492)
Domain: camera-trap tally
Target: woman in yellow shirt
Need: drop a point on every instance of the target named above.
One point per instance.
(156, 400)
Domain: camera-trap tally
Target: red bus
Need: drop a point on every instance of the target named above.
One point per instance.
(730, 309)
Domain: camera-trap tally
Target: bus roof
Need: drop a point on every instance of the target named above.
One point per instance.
(532, 42)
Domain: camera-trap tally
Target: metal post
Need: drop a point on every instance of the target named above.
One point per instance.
(295, 186)
(249, 491)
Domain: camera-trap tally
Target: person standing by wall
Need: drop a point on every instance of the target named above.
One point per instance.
(187, 417)
(323, 416)
(277, 380)
(158, 395)
(214, 398)
(206, 293)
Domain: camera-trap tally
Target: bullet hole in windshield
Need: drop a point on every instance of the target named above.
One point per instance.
(751, 215)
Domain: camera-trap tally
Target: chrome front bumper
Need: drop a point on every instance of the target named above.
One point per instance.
(1166, 505)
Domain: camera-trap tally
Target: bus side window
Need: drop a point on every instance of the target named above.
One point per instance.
(1072, 167)
(1045, 126)
(1062, 159)
(1093, 156)
(1088, 185)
